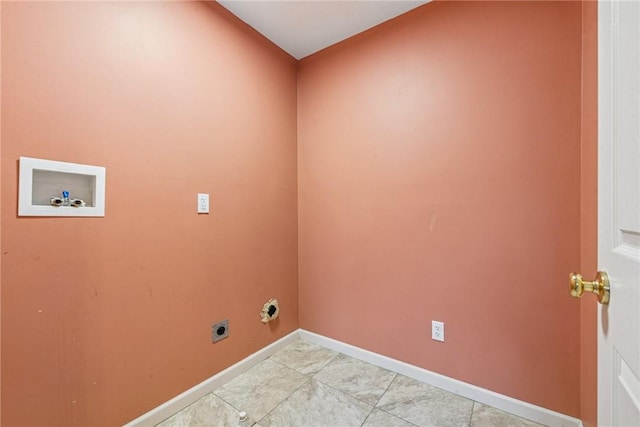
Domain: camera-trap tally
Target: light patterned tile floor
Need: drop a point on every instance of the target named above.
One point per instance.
(306, 385)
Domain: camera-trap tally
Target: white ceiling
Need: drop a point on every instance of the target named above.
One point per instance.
(302, 27)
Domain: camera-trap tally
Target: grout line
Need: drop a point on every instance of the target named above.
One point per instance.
(395, 375)
(367, 417)
(278, 403)
(344, 392)
(285, 399)
(473, 409)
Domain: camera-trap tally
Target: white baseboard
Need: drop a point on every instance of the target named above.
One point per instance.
(190, 396)
(487, 397)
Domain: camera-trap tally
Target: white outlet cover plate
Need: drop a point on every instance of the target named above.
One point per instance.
(203, 203)
(437, 330)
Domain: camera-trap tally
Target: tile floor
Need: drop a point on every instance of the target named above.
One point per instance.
(306, 385)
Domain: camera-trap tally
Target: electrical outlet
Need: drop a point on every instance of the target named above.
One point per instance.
(220, 330)
(437, 330)
(203, 203)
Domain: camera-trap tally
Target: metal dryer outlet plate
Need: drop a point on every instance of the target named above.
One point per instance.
(220, 330)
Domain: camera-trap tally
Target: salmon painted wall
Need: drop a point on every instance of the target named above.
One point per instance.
(0, 217)
(439, 178)
(105, 318)
(589, 217)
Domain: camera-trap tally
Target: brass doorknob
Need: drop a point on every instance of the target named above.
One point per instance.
(600, 286)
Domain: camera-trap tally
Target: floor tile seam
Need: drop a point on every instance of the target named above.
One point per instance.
(397, 416)
(310, 375)
(367, 417)
(283, 400)
(362, 362)
(344, 393)
(289, 367)
(397, 378)
(307, 378)
(473, 410)
(338, 353)
(185, 409)
(427, 396)
(395, 375)
(390, 414)
(326, 364)
(328, 361)
(238, 410)
(349, 396)
(295, 371)
(473, 407)
(313, 376)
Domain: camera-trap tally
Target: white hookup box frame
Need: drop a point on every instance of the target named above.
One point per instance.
(40, 180)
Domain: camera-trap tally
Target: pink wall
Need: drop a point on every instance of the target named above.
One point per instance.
(1, 256)
(428, 190)
(106, 318)
(439, 178)
(589, 219)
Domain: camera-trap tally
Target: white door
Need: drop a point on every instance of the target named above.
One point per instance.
(619, 211)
